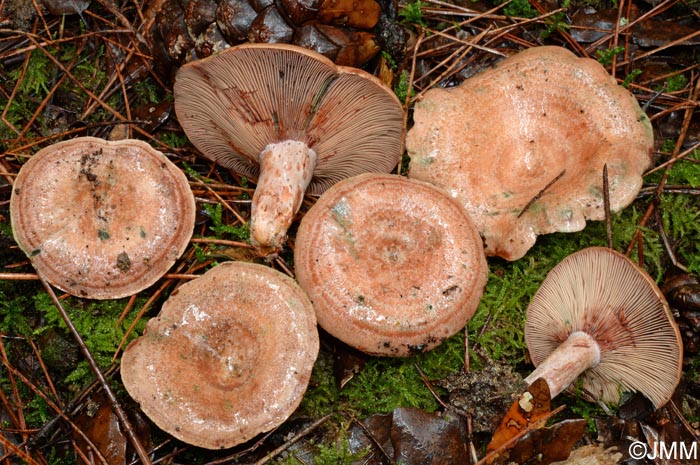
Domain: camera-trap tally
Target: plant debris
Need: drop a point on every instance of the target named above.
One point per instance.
(104, 68)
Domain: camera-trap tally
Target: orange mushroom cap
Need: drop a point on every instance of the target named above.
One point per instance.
(601, 295)
(540, 125)
(393, 266)
(228, 357)
(101, 219)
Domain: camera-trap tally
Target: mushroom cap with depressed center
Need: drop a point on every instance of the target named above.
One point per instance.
(228, 357)
(101, 219)
(602, 293)
(393, 266)
(500, 138)
(233, 104)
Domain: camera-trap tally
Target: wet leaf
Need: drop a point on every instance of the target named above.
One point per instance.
(362, 14)
(151, 115)
(548, 445)
(420, 437)
(66, 7)
(101, 426)
(411, 436)
(373, 433)
(590, 25)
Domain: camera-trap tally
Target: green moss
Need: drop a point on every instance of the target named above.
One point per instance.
(676, 83)
(519, 9)
(36, 81)
(411, 13)
(384, 384)
(402, 86)
(98, 324)
(338, 454)
(322, 394)
(605, 57)
(221, 229)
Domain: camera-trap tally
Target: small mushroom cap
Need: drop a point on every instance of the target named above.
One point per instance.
(232, 105)
(228, 357)
(604, 294)
(392, 266)
(101, 219)
(498, 139)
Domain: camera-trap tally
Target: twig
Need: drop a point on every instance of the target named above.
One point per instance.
(35, 277)
(652, 190)
(606, 206)
(53, 406)
(41, 436)
(297, 437)
(411, 84)
(540, 193)
(11, 447)
(430, 387)
(667, 243)
(637, 238)
(493, 454)
(376, 443)
(118, 411)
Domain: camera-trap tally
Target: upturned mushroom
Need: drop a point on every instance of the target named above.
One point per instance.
(393, 266)
(599, 318)
(228, 357)
(291, 118)
(523, 145)
(101, 219)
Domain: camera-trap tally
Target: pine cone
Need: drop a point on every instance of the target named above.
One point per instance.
(683, 294)
(342, 30)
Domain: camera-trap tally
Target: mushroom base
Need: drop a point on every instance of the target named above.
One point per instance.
(577, 354)
(286, 169)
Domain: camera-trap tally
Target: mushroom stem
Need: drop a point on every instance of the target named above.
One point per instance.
(286, 169)
(574, 356)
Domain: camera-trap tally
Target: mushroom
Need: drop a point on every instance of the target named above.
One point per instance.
(523, 146)
(228, 357)
(599, 317)
(101, 219)
(293, 119)
(393, 266)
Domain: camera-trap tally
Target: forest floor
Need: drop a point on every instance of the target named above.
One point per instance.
(93, 72)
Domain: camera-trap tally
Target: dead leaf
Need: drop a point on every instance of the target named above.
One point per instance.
(529, 411)
(101, 426)
(411, 436)
(420, 437)
(550, 444)
(592, 454)
(347, 362)
(362, 14)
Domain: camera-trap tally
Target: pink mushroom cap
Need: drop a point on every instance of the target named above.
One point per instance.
(101, 219)
(540, 125)
(228, 357)
(393, 266)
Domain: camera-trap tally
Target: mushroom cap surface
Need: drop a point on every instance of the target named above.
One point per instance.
(101, 219)
(501, 137)
(604, 294)
(232, 105)
(393, 266)
(228, 357)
